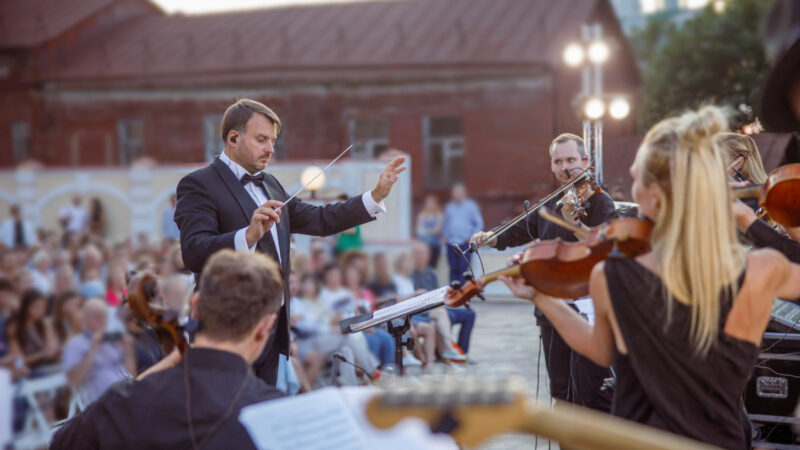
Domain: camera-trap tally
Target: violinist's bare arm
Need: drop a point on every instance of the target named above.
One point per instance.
(786, 276)
(595, 342)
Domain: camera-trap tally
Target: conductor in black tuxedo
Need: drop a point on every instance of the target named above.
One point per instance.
(232, 203)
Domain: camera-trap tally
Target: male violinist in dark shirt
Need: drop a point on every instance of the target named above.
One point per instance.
(573, 378)
(193, 401)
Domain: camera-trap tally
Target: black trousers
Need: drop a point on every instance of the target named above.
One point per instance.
(573, 378)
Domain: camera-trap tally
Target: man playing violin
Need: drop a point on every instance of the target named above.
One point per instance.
(193, 400)
(573, 378)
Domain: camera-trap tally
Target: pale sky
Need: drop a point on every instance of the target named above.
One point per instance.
(210, 6)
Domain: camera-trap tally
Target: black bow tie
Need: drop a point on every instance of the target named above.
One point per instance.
(257, 179)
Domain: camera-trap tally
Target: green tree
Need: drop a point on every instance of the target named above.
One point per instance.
(711, 58)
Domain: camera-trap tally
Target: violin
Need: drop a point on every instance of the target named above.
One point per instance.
(562, 269)
(143, 298)
(583, 179)
(779, 196)
(577, 196)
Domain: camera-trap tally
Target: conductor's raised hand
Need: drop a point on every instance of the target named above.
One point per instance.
(264, 217)
(388, 178)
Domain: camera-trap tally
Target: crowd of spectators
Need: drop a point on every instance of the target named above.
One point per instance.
(62, 306)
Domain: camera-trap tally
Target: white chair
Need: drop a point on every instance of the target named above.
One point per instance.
(37, 430)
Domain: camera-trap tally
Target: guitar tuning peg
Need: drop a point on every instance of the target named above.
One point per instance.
(468, 276)
(480, 296)
(455, 285)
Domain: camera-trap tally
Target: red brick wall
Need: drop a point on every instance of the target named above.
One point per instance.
(507, 130)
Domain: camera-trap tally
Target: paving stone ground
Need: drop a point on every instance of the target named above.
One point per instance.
(505, 341)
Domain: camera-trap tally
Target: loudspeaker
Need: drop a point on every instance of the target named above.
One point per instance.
(771, 396)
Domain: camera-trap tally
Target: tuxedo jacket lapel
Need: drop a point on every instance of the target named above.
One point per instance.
(236, 189)
(246, 203)
(275, 193)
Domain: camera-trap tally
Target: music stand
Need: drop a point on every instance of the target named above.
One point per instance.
(404, 309)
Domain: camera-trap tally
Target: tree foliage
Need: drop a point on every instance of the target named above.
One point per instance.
(711, 58)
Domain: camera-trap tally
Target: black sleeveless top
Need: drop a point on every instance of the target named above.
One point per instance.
(661, 382)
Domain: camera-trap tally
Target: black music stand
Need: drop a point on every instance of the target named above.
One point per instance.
(397, 333)
(403, 310)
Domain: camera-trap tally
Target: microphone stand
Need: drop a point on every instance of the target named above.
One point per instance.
(341, 357)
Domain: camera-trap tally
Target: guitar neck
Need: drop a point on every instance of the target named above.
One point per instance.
(482, 408)
(576, 427)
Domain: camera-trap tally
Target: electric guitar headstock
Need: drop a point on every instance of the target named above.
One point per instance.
(473, 409)
(470, 409)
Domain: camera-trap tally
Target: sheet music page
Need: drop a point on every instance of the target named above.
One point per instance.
(411, 433)
(315, 421)
(586, 307)
(332, 418)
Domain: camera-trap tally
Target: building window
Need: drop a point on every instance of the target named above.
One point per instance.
(131, 140)
(369, 136)
(211, 131)
(21, 140)
(444, 151)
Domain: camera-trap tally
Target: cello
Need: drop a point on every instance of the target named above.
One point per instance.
(141, 298)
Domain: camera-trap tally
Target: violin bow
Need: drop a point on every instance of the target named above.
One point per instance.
(505, 227)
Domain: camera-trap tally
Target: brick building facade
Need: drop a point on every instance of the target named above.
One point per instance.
(474, 90)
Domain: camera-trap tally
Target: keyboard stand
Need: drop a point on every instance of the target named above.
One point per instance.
(399, 343)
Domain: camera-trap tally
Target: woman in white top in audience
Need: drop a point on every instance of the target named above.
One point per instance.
(316, 327)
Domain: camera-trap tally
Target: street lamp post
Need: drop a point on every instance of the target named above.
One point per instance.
(590, 55)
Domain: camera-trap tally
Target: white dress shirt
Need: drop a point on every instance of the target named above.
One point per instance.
(259, 197)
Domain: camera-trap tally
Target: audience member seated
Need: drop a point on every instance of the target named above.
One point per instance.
(115, 284)
(67, 315)
(317, 329)
(437, 318)
(378, 339)
(95, 359)
(22, 279)
(9, 302)
(381, 285)
(42, 273)
(425, 278)
(92, 286)
(175, 292)
(194, 401)
(33, 333)
(334, 295)
(64, 280)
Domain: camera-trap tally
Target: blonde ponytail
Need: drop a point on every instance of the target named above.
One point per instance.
(694, 238)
